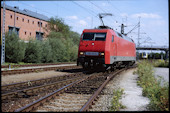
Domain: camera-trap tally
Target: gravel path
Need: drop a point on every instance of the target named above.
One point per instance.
(132, 97)
(8, 79)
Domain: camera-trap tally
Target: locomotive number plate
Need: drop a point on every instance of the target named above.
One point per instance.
(92, 53)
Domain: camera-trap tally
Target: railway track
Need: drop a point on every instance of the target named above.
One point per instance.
(26, 88)
(21, 71)
(24, 94)
(33, 65)
(77, 95)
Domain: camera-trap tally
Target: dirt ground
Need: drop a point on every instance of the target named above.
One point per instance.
(8, 79)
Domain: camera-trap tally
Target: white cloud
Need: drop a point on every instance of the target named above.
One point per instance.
(72, 17)
(146, 15)
(82, 22)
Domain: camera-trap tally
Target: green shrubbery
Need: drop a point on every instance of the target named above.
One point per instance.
(160, 63)
(158, 95)
(33, 52)
(47, 51)
(14, 49)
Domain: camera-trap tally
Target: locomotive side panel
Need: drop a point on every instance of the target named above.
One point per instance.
(125, 50)
(108, 48)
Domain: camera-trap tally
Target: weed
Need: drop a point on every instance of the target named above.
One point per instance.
(116, 105)
(158, 95)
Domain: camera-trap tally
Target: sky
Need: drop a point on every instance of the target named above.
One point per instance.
(83, 14)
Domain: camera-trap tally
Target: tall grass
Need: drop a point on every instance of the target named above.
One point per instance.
(158, 95)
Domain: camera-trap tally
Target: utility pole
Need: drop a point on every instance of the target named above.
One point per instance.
(3, 36)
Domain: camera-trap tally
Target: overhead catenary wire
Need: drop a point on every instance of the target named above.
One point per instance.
(110, 21)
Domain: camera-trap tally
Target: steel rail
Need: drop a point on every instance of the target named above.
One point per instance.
(20, 71)
(32, 82)
(94, 97)
(30, 90)
(28, 65)
(40, 101)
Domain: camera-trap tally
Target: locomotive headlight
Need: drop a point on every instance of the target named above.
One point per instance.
(81, 53)
(101, 54)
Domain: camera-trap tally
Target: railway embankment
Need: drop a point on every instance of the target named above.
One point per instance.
(152, 88)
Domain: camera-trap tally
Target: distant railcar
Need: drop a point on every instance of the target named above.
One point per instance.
(144, 55)
(105, 47)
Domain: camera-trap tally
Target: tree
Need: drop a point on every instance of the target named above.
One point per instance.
(14, 48)
(46, 52)
(58, 50)
(57, 24)
(63, 41)
(33, 52)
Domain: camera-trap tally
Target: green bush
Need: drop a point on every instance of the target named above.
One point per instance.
(46, 52)
(58, 50)
(158, 95)
(33, 52)
(160, 63)
(14, 48)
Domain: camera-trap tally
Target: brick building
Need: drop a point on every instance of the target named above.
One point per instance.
(27, 24)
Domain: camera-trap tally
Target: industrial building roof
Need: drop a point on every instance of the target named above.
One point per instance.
(27, 12)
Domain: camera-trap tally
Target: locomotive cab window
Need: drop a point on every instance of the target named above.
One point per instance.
(88, 36)
(94, 36)
(100, 36)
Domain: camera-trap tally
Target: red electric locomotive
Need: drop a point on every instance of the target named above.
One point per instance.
(105, 47)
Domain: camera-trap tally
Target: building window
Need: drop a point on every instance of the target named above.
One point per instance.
(45, 25)
(28, 21)
(39, 24)
(30, 33)
(17, 18)
(23, 19)
(39, 35)
(32, 22)
(25, 32)
(11, 29)
(11, 16)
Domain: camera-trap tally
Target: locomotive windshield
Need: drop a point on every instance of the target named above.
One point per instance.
(94, 36)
